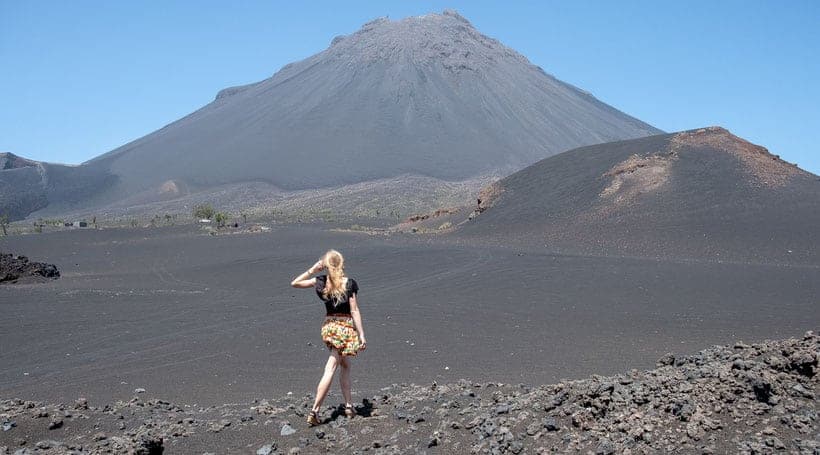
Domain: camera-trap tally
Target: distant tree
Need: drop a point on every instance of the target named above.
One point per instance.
(205, 211)
(4, 221)
(134, 223)
(220, 219)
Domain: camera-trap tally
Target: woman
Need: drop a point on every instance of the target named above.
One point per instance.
(342, 330)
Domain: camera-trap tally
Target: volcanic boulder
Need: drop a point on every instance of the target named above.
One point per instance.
(15, 269)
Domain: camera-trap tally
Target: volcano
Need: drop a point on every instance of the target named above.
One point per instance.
(699, 194)
(424, 96)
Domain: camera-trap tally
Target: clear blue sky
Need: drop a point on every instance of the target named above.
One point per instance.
(81, 78)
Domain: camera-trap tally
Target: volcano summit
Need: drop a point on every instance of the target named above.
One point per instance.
(426, 96)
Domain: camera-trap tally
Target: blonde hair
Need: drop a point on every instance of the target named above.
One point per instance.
(335, 286)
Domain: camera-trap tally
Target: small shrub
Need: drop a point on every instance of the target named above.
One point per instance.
(220, 219)
(205, 211)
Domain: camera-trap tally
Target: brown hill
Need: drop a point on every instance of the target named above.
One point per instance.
(700, 194)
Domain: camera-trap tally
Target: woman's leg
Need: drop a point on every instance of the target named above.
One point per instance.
(344, 378)
(327, 379)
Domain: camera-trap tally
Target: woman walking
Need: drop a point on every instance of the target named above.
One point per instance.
(342, 330)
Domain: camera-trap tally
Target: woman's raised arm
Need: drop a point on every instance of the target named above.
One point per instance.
(304, 280)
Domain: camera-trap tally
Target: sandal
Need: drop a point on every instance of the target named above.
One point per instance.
(350, 411)
(313, 418)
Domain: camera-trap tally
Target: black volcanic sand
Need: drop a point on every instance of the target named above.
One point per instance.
(202, 320)
(210, 320)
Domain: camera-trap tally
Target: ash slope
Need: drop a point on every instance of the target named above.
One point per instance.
(428, 96)
(700, 194)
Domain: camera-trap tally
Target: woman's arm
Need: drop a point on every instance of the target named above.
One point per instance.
(302, 281)
(357, 320)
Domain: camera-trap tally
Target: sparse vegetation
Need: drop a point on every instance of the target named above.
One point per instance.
(4, 222)
(220, 219)
(204, 211)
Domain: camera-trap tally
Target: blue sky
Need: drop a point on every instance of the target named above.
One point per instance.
(81, 78)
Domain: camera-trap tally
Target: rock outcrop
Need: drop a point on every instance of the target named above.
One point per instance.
(14, 269)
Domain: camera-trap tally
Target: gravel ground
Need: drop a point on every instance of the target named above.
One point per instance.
(758, 398)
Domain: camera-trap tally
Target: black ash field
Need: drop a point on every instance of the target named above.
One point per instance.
(210, 320)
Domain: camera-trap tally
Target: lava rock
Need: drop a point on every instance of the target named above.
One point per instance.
(16, 268)
(287, 430)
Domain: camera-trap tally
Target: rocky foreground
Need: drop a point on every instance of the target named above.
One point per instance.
(19, 269)
(758, 398)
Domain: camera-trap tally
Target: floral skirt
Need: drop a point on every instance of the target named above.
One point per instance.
(339, 332)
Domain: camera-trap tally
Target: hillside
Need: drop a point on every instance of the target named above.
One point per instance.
(27, 186)
(700, 194)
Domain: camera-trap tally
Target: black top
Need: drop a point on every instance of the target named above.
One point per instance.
(331, 305)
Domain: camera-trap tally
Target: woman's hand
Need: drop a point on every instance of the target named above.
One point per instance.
(362, 343)
(317, 267)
